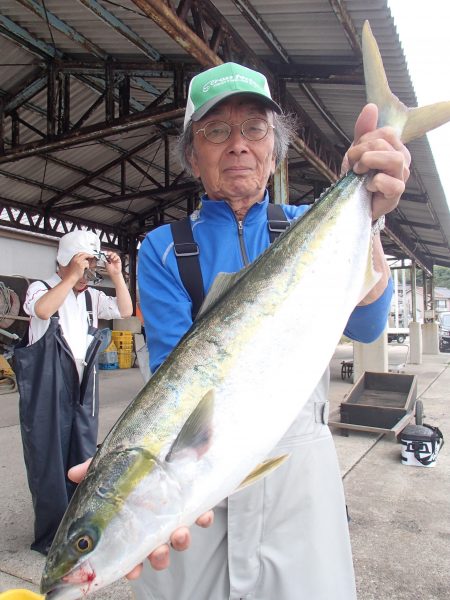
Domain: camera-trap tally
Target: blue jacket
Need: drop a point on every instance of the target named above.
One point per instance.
(225, 246)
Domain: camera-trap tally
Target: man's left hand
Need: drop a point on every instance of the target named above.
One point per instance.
(382, 151)
(113, 264)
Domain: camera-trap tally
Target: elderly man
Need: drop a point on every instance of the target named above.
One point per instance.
(287, 536)
(56, 373)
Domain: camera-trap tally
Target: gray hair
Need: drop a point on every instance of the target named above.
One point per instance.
(285, 128)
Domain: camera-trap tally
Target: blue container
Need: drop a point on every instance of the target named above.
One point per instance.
(108, 366)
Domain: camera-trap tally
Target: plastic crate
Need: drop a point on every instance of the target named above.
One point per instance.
(122, 336)
(125, 359)
(128, 346)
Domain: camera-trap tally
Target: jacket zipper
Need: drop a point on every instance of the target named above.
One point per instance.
(240, 225)
(241, 243)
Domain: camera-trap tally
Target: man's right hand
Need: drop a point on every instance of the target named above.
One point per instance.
(160, 557)
(75, 269)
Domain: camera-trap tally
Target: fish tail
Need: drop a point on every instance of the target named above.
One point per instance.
(410, 123)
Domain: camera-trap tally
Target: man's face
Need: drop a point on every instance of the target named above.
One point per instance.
(82, 283)
(238, 169)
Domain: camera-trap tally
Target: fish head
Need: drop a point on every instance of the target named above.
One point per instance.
(75, 565)
(100, 537)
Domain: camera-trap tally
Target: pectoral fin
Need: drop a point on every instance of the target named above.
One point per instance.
(262, 470)
(196, 433)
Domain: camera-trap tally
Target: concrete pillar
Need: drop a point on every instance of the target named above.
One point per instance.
(430, 335)
(415, 343)
(370, 357)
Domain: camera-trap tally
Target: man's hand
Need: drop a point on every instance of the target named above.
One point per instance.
(113, 264)
(74, 271)
(382, 151)
(160, 557)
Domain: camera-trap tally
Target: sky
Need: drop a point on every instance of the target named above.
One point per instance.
(423, 29)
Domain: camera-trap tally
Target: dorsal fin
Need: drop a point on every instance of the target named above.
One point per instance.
(410, 123)
(221, 284)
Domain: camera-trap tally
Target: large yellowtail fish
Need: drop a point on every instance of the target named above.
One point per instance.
(204, 424)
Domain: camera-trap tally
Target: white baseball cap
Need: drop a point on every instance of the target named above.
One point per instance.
(77, 241)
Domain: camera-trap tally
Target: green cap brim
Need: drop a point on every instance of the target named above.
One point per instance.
(207, 106)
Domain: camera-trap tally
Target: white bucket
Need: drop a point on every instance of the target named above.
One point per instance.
(420, 445)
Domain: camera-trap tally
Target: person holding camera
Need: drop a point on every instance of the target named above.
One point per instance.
(55, 366)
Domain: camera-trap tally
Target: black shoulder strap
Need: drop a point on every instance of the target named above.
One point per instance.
(187, 255)
(277, 221)
(88, 303)
(88, 299)
(187, 251)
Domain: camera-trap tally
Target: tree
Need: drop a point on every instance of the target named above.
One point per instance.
(441, 277)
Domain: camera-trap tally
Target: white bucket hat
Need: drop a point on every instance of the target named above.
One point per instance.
(77, 241)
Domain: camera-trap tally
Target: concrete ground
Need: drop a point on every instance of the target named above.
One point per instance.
(400, 516)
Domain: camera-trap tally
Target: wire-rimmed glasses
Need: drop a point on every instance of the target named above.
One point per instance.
(254, 129)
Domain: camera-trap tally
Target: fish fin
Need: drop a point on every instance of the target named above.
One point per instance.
(425, 118)
(262, 470)
(196, 433)
(221, 284)
(371, 276)
(410, 123)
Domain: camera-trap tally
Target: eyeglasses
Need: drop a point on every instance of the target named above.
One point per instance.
(218, 132)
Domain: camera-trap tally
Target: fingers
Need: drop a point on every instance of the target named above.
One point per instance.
(379, 150)
(159, 560)
(206, 519)
(78, 472)
(388, 161)
(366, 121)
(113, 257)
(369, 151)
(135, 573)
(113, 264)
(180, 540)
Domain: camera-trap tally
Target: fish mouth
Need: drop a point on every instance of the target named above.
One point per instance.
(80, 577)
(55, 592)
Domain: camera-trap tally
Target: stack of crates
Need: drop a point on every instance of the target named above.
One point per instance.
(124, 344)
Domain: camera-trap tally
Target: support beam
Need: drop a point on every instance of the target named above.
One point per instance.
(155, 194)
(94, 132)
(407, 245)
(26, 93)
(94, 174)
(120, 27)
(340, 10)
(18, 213)
(249, 12)
(166, 18)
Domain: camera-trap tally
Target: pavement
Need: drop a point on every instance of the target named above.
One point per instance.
(399, 515)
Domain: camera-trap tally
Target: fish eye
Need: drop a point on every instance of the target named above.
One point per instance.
(84, 543)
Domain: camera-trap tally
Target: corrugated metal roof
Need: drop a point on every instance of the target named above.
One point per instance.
(309, 33)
